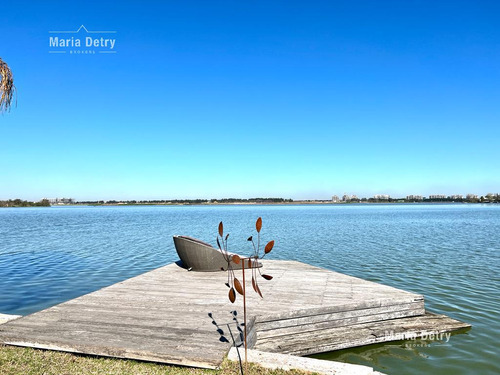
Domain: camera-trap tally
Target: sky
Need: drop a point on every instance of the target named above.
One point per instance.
(219, 99)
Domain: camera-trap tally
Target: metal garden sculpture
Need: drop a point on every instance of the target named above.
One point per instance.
(250, 262)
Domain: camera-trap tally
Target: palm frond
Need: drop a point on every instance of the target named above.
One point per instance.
(7, 88)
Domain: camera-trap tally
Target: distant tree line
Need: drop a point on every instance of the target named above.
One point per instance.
(251, 200)
(189, 201)
(21, 203)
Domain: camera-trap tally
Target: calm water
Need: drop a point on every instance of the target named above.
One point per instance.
(449, 253)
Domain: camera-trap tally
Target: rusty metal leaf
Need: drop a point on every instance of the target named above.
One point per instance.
(267, 277)
(236, 259)
(221, 229)
(269, 246)
(250, 238)
(238, 286)
(254, 284)
(250, 263)
(227, 284)
(258, 224)
(232, 295)
(258, 289)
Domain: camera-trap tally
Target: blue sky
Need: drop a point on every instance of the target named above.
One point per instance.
(244, 99)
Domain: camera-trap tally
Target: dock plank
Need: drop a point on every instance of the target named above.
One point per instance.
(337, 338)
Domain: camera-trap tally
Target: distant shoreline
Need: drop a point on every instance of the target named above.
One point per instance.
(235, 202)
(298, 203)
(295, 203)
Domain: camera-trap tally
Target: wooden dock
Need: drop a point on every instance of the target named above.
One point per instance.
(171, 315)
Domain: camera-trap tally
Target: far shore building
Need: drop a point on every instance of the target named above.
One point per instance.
(437, 196)
(382, 197)
(335, 199)
(349, 198)
(471, 196)
(414, 198)
(456, 197)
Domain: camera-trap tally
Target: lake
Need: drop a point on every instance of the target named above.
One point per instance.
(450, 253)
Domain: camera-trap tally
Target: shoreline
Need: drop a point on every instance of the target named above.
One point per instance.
(295, 203)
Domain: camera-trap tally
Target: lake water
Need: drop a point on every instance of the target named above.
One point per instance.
(448, 253)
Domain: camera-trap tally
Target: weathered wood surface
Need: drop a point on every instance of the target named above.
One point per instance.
(336, 322)
(4, 318)
(324, 340)
(163, 315)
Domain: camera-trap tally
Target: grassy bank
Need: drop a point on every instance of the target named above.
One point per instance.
(27, 361)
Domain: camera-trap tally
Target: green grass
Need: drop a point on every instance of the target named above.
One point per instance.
(28, 361)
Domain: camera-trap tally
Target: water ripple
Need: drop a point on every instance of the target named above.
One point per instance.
(448, 253)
